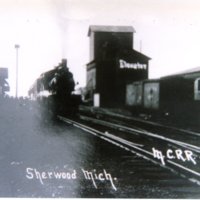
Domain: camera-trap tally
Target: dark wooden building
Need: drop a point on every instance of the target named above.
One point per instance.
(114, 63)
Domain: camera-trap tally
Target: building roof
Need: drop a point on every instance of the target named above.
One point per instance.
(123, 29)
(191, 73)
(133, 53)
(140, 54)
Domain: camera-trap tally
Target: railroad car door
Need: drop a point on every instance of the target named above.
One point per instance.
(134, 94)
(151, 95)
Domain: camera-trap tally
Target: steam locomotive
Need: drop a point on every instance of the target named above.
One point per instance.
(53, 90)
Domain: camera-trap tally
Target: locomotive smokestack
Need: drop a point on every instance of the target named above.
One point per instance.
(64, 62)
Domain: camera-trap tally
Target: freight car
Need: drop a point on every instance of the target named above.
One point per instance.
(176, 97)
(53, 90)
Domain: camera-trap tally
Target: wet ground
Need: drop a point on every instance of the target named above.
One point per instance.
(42, 158)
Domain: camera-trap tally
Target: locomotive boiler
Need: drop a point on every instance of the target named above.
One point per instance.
(53, 91)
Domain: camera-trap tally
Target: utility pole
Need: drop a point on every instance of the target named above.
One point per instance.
(140, 46)
(17, 48)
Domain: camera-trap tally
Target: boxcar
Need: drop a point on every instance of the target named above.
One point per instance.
(177, 97)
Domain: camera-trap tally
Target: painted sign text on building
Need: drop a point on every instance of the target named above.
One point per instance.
(123, 64)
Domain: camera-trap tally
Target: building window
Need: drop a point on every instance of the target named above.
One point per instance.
(197, 89)
(198, 85)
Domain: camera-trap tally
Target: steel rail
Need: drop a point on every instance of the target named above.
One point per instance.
(146, 133)
(110, 113)
(134, 148)
(113, 139)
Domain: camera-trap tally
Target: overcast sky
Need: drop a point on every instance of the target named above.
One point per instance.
(168, 31)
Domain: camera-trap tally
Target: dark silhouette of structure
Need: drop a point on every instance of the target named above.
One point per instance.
(114, 64)
(4, 86)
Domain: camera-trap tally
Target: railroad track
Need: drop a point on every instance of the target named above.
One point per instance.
(177, 156)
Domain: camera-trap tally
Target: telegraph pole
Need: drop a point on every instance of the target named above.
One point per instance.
(17, 48)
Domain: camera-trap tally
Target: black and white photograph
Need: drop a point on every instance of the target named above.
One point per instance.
(100, 99)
